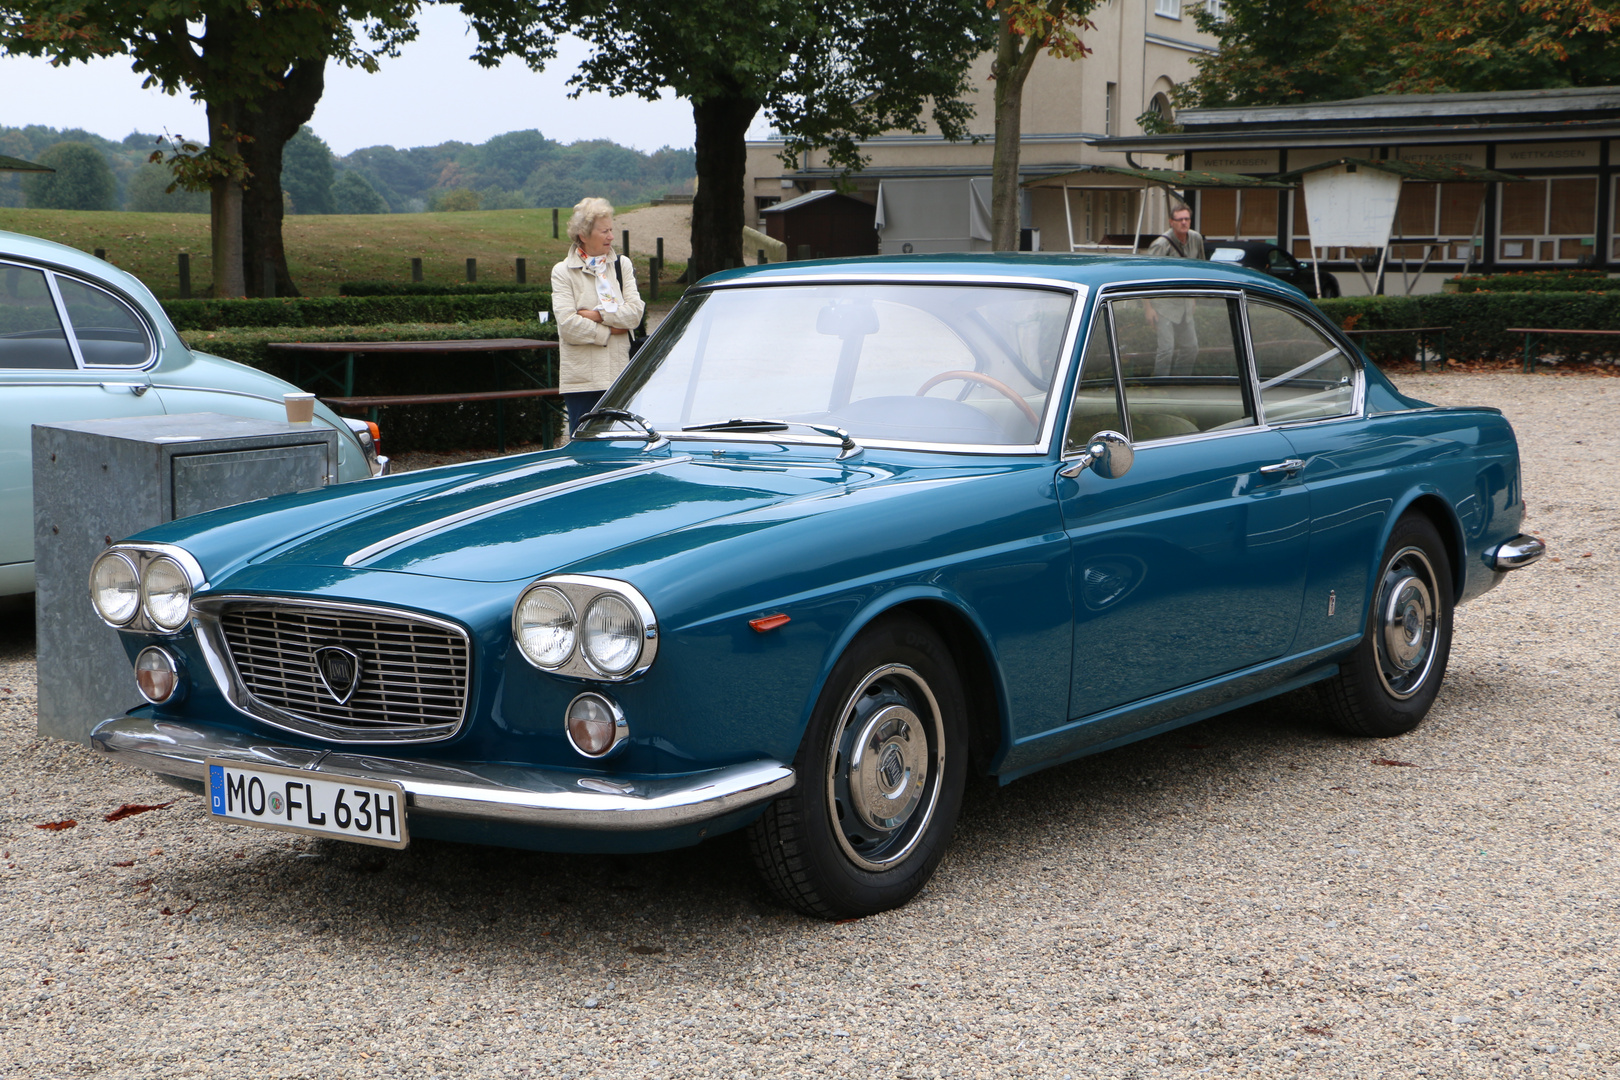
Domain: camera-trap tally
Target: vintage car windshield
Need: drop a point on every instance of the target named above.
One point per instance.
(909, 363)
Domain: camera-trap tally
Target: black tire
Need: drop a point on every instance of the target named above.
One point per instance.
(1387, 686)
(863, 832)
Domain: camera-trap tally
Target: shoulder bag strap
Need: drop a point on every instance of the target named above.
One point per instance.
(618, 272)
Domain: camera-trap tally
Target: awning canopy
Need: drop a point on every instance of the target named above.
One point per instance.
(11, 164)
(1434, 171)
(1176, 178)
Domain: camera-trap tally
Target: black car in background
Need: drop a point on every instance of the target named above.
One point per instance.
(1273, 260)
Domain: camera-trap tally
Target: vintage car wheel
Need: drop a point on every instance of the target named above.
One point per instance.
(1386, 688)
(881, 773)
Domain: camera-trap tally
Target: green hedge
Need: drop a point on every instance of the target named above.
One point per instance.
(416, 427)
(354, 310)
(427, 288)
(1538, 281)
(1478, 319)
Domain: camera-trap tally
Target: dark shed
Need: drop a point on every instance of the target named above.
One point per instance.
(831, 225)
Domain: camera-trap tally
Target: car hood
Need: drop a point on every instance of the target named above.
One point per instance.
(500, 521)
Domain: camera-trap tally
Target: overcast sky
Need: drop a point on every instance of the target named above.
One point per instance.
(429, 94)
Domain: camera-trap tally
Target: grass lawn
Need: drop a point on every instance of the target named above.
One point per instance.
(322, 250)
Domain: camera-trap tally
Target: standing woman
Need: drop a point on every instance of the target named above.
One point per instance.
(596, 304)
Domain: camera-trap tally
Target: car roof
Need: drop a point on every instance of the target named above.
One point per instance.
(1092, 271)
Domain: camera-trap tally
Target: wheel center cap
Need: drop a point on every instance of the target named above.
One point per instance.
(887, 768)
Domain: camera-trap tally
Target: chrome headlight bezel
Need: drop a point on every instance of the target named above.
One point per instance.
(141, 556)
(581, 591)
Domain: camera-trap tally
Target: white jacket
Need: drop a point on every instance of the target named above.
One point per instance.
(592, 355)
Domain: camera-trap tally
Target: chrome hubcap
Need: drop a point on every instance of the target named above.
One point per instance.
(1407, 622)
(884, 768)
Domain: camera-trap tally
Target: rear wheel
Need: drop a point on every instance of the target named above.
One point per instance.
(1387, 687)
(880, 778)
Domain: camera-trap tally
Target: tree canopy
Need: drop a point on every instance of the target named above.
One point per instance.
(307, 173)
(1276, 52)
(82, 180)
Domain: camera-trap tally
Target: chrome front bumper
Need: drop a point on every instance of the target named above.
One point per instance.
(1518, 552)
(498, 793)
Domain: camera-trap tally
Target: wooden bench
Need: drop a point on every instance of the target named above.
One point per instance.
(1533, 335)
(374, 403)
(1422, 333)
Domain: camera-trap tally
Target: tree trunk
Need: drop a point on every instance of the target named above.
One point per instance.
(717, 209)
(279, 116)
(225, 205)
(1014, 57)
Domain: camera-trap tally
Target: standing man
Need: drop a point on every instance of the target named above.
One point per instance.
(1172, 318)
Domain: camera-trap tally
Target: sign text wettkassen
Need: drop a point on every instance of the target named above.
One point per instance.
(342, 807)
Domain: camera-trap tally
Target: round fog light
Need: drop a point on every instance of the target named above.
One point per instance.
(157, 674)
(595, 725)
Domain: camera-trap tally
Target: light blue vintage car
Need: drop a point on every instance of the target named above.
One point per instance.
(843, 533)
(82, 340)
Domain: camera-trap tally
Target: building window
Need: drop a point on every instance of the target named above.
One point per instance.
(1614, 222)
(1548, 220)
(1108, 217)
(1229, 214)
(1170, 9)
(1110, 108)
(1438, 221)
(1216, 9)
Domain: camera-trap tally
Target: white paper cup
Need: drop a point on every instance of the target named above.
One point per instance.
(300, 408)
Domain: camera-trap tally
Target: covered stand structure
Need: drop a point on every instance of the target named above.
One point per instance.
(11, 164)
(1352, 202)
(1144, 184)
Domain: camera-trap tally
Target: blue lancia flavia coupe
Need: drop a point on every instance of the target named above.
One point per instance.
(842, 534)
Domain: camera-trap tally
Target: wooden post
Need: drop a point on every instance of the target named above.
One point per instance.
(101, 253)
(762, 256)
(653, 268)
(269, 288)
(624, 249)
(185, 276)
(416, 269)
(554, 234)
(472, 269)
(522, 271)
(660, 251)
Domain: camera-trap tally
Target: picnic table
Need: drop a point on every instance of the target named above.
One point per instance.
(340, 356)
(1423, 339)
(1534, 334)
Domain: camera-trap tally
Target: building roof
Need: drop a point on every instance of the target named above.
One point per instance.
(11, 164)
(800, 201)
(1176, 178)
(1443, 171)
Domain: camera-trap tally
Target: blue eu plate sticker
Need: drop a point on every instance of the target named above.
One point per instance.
(216, 788)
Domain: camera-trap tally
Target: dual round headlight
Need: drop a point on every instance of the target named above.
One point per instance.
(590, 627)
(130, 582)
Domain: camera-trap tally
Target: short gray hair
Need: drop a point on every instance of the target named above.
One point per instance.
(587, 212)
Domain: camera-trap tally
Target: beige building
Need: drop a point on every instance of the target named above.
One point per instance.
(1140, 50)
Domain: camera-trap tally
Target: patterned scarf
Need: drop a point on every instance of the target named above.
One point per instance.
(608, 296)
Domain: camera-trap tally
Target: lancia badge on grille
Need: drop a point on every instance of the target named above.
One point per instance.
(339, 670)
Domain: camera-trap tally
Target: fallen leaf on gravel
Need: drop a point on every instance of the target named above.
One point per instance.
(647, 950)
(142, 886)
(1312, 1029)
(1399, 764)
(130, 809)
(166, 911)
(1586, 554)
(57, 826)
(126, 862)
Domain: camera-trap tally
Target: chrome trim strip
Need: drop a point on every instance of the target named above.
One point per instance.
(216, 652)
(1517, 553)
(519, 795)
(451, 520)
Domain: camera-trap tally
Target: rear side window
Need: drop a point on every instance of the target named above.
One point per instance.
(31, 335)
(108, 332)
(1303, 374)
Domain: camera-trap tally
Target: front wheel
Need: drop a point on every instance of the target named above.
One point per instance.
(880, 778)
(1387, 687)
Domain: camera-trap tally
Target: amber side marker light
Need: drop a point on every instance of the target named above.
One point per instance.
(769, 622)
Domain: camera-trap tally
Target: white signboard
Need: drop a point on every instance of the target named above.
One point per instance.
(1351, 209)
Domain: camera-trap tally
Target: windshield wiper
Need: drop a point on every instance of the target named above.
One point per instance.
(847, 447)
(654, 440)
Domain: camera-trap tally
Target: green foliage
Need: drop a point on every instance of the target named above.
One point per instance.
(416, 427)
(307, 173)
(456, 199)
(149, 193)
(429, 288)
(1275, 52)
(351, 194)
(82, 180)
(1479, 320)
(1538, 281)
(355, 310)
(125, 158)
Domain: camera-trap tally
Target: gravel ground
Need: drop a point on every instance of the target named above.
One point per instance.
(1248, 897)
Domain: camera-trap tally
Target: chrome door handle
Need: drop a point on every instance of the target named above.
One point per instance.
(1291, 466)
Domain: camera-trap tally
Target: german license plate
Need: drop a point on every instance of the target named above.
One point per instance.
(345, 808)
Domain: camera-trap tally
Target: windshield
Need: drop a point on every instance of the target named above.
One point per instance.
(955, 364)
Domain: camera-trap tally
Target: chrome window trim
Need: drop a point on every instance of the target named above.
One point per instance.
(51, 271)
(206, 612)
(1040, 447)
(580, 590)
(142, 554)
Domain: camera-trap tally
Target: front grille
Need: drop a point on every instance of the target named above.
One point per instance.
(413, 676)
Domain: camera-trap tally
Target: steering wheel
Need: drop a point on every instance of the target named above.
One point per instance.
(987, 380)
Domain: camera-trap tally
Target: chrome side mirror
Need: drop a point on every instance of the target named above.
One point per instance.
(1109, 455)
